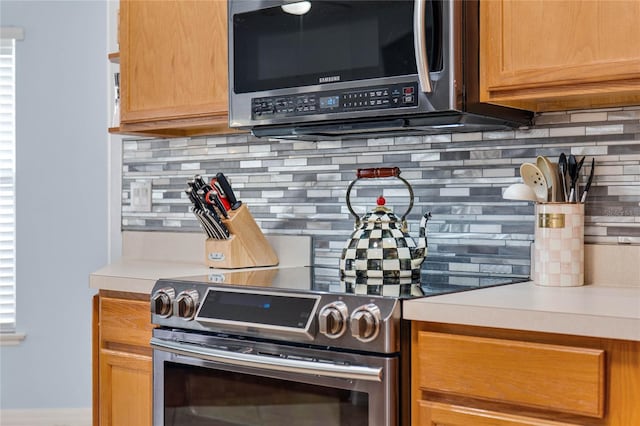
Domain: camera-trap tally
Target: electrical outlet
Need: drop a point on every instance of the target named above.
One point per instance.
(141, 196)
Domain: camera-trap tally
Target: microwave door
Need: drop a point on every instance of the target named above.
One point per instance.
(340, 60)
(333, 42)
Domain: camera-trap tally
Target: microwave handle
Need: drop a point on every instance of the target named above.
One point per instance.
(420, 46)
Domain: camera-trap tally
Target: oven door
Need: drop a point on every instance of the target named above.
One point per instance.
(221, 381)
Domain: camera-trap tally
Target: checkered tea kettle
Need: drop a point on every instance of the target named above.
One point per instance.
(380, 245)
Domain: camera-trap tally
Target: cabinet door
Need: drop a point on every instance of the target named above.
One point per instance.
(124, 360)
(125, 389)
(125, 322)
(95, 360)
(438, 414)
(513, 372)
(173, 64)
(554, 55)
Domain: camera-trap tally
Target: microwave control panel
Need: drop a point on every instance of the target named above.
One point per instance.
(401, 95)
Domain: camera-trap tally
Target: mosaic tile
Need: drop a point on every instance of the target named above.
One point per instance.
(471, 136)
(486, 154)
(632, 128)
(427, 156)
(623, 149)
(588, 117)
(370, 161)
(380, 142)
(400, 141)
(507, 134)
(605, 129)
(297, 187)
(559, 132)
(504, 172)
(624, 115)
(552, 118)
(437, 138)
(532, 133)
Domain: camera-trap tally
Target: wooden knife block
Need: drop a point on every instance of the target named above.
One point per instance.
(247, 246)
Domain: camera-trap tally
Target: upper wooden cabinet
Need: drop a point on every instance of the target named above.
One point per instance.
(559, 55)
(173, 67)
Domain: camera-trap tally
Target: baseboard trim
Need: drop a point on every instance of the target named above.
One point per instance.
(46, 417)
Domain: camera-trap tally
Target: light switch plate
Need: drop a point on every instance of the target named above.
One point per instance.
(141, 196)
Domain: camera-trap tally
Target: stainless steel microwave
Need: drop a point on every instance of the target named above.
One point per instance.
(346, 68)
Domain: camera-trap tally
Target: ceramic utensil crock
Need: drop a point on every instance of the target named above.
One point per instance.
(559, 245)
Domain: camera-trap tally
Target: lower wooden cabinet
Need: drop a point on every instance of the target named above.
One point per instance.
(123, 376)
(125, 388)
(434, 413)
(475, 376)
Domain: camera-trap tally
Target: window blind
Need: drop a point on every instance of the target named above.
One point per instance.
(7, 185)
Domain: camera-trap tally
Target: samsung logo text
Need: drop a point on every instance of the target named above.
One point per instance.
(329, 79)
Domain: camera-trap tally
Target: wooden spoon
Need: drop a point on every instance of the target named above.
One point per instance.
(550, 172)
(532, 176)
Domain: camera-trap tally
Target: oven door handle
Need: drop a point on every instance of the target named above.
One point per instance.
(351, 372)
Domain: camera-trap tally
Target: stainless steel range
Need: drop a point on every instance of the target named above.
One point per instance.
(277, 346)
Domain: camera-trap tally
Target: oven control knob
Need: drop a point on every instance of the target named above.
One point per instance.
(365, 322)
(332, 319)
(162, 301)
(187, 304)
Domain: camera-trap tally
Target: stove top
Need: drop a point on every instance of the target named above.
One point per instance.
(301, 305)
(309, 280)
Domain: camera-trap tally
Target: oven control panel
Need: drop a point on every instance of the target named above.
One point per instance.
(347, 321)
(242, 309)
(335, 101)
(333, 319)
(162, 302)
(365, 322)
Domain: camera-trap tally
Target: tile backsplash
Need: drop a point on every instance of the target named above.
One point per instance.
(295, 187)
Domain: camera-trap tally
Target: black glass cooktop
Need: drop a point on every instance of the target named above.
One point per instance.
(310, 280)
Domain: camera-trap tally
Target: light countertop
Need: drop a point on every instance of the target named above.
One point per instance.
(608, 307)
(139, 276)
(145, 254)
(590, 310)
(595, 311)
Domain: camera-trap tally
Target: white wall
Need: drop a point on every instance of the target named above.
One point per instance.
(115, 143)
(62, 195)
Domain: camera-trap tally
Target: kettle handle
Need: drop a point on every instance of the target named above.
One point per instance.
(375, 173)
(378, 172)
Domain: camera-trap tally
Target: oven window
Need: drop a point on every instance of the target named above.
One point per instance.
(197, 396)
(333, 41)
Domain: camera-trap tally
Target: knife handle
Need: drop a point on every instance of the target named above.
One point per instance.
(213, 198)
(379, 172)
(199, 182)
(228, 191)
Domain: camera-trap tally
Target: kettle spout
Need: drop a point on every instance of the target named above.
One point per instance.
(420, 252)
